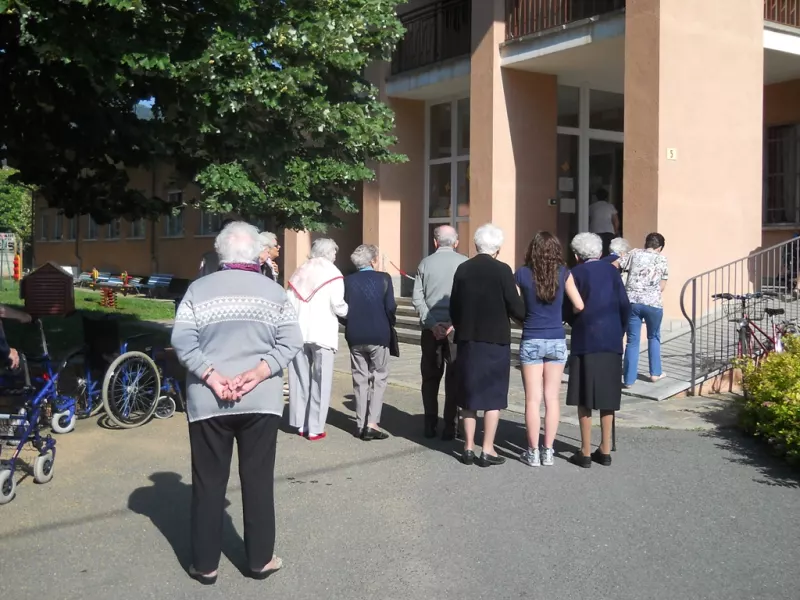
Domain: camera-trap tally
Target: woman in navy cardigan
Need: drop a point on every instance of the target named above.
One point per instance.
(595, 364)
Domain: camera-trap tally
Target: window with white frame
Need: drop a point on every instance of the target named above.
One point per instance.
(173, 222)
(91, 229)
(209, 223)
(72, 228)
(113, 230)
(782, 175)
(58, 232)
(44, 227)
(447, 168)
(137, 229)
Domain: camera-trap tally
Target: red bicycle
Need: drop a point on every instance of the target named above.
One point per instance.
(745, 310)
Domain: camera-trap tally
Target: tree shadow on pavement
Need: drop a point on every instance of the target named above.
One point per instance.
(167, 503)
(744, 450)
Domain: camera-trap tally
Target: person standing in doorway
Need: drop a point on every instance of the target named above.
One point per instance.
(431, 299)
(603, 219)
(648, 273)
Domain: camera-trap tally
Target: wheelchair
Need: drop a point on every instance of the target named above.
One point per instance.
(124, 378)
(25, 402)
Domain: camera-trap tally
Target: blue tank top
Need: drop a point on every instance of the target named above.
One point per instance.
(542, 319)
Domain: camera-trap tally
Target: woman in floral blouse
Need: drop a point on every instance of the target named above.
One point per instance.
(647, 277)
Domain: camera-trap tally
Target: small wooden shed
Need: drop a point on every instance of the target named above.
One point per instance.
(48, 291)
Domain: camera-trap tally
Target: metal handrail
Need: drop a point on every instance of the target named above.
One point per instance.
(773, 271)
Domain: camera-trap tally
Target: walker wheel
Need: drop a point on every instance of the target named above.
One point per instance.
(8, 487)
(62, 422)
(165, 408)
(43, 467)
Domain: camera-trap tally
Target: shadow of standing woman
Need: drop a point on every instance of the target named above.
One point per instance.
(167, 504)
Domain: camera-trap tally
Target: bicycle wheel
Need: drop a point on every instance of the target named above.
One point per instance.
(131, 389)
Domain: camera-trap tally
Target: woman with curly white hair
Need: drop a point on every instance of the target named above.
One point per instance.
(595, 363)
(316, 291)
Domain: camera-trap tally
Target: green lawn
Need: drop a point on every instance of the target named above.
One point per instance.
(65, 333)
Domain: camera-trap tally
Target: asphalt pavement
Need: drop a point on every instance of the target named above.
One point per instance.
(679, 514)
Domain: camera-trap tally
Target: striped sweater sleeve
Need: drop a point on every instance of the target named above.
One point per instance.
(288, 339)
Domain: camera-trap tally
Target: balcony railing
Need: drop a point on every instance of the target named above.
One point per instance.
(785, 12)
(524, 17)
(435, 32)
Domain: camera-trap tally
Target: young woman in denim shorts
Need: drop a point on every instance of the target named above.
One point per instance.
(543, 281)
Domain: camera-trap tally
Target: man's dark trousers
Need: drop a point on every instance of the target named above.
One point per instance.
(438, 358)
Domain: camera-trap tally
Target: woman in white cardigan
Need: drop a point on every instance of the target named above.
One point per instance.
(316, 291)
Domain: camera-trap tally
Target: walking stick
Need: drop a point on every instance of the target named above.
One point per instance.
(614, 433)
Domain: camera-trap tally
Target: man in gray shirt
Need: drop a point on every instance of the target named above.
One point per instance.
(431, 299)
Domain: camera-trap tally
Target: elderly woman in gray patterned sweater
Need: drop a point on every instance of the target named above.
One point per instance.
(235, 332)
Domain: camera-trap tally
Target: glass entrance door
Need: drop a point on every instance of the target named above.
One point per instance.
(567, 195)
(605, 172)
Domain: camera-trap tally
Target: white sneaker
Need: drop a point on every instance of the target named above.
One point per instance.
(547, 457)
(531, 457)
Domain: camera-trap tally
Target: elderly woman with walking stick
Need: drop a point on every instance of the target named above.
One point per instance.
(595, 364)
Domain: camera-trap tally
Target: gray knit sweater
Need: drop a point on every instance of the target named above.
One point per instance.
(231, 320)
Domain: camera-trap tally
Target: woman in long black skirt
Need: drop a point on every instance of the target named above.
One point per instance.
(595, 364)
(483, 299)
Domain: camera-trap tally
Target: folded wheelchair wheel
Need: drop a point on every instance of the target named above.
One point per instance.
(131, 389)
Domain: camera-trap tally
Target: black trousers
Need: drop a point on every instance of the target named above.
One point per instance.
(212, 448)
(438, 358)
(607, 238)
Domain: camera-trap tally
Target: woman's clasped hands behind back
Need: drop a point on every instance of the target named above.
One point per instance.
(233, 389)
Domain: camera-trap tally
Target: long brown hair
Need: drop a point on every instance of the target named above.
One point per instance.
(544, 257)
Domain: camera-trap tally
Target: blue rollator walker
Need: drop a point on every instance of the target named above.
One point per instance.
(25, 403)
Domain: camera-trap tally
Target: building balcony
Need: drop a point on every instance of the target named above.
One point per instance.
(525, 17)
(436, 32)
(783, 12)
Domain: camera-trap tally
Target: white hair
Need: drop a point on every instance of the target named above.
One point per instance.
(619, 246)
(446, 236)
(364, 255)
(587, 246)
(268, 239)
(238, 242)
(324, 248)
(489, 239)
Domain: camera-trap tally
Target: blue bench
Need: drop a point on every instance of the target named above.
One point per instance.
(157, 284)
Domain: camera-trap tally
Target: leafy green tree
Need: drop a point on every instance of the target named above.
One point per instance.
(15, 207)
(262, 102)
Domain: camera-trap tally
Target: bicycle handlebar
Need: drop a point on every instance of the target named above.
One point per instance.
(750, 296)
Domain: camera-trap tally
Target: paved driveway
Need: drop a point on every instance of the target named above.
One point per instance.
(680, 514)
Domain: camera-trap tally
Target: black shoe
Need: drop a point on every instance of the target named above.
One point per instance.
(373, 434)
(468, 457)
(582, 461)
(261, 575)
(430, 430)
(449, 434)
(202, 578)
(487, 460)
(601, 459)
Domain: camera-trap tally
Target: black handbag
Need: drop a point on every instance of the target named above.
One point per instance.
(394, 343)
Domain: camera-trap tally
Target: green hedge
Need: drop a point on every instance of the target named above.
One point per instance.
(771, 404)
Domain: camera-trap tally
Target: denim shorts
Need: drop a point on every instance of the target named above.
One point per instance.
(536, 352)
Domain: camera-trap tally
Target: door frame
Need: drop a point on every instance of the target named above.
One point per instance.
(585, 135)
